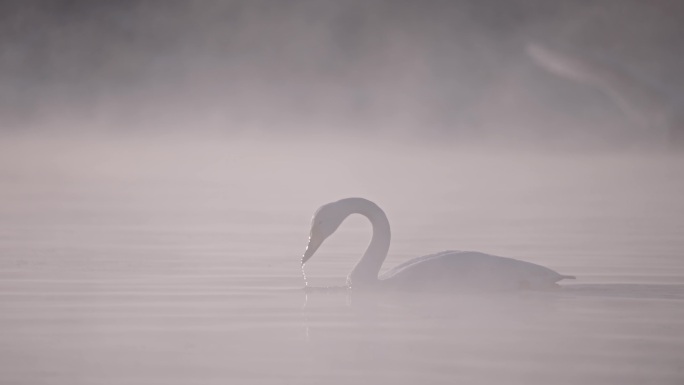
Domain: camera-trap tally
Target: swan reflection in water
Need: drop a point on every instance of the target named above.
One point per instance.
(460, 270)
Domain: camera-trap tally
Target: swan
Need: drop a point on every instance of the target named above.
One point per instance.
(462, 270)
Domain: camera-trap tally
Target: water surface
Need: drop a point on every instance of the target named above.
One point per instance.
(154, 262)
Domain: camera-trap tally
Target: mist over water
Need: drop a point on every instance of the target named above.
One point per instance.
(438, 70)
(160, 163)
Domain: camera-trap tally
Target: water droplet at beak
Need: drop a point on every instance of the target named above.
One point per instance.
(311, 248)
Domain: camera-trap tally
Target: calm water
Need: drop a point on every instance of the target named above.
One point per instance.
(176, 262)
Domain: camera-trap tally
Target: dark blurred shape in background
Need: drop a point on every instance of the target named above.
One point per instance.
(437, 68)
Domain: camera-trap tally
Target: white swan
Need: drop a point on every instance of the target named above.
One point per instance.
(463, 270)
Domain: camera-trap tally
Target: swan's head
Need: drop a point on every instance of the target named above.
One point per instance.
(325, 221)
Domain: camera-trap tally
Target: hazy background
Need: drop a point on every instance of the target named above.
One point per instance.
(160, 162)
(429, 69)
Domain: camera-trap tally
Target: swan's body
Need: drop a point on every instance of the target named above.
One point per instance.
(646, 105)
(463, 270)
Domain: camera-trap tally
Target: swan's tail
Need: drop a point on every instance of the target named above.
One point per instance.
(566, 277)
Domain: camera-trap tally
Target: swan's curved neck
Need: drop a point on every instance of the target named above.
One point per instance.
(367, 269)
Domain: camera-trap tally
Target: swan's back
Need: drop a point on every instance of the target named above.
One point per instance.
(469, 270)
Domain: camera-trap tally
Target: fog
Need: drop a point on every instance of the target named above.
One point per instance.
(160, 162)
(436, 70)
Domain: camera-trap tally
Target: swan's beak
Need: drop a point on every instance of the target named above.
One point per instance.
(314, 243)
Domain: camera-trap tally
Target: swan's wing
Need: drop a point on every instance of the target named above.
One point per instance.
(414, 261)
(469, 269)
